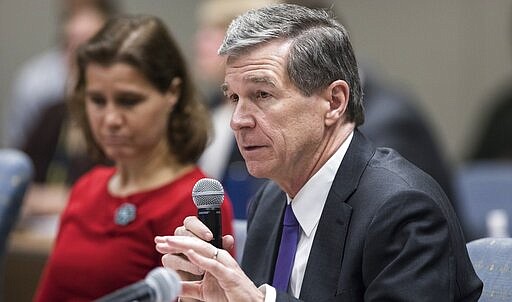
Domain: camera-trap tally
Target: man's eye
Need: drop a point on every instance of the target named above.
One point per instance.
(262, 95)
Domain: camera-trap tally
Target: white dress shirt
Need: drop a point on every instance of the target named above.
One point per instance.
(307, 206)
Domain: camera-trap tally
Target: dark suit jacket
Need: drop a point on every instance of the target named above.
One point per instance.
(394, 120)
(387, 233)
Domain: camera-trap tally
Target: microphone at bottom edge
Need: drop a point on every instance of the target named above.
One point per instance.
(160, 285)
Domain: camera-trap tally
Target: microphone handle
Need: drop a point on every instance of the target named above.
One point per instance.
(211, 217)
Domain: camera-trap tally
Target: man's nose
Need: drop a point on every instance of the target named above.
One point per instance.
(242, 115)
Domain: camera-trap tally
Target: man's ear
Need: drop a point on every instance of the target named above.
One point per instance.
(337, 93)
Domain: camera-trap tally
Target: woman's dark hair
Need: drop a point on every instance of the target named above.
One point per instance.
(145, 43)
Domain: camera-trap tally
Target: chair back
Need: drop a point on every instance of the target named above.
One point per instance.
(484, 199)
(492, 260)
(15, 174)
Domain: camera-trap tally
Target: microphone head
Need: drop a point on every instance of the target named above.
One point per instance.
(208, 193)
(165, 282)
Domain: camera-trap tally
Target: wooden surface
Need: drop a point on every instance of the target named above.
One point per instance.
(29, 247)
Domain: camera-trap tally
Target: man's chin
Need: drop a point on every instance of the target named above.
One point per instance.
(258, 169)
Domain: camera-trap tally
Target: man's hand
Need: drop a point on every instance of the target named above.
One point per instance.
(223, 278)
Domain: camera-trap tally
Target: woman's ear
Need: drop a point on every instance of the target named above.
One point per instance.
(337, 93)
(174, 91)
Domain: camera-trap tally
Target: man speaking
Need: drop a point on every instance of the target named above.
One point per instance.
(341, 220)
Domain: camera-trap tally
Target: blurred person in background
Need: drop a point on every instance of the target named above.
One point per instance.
(40, 117)
(483, 180)
(44, 79)
(136, 106)
(494, 139)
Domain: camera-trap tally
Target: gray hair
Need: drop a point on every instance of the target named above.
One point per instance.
(320, 52)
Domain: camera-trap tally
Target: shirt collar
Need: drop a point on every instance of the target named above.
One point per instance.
(310, 200)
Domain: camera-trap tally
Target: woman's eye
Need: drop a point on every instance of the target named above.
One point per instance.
(97, 100)
(129, 102)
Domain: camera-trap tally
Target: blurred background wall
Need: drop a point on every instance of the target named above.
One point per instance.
(451, 54)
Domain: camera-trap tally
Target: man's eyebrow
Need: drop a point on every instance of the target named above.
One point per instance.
(254, 79)
(261, 79)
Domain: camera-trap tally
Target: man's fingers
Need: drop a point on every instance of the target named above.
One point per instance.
(193, 225)
(180, 263)
(213, 265)
(191, 289)
(182, 231)
(163, 247)
(180, 244)
(228, 242)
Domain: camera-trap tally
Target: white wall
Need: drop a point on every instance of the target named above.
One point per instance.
(451, 53)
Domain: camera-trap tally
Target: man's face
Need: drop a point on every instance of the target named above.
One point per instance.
(278, 130)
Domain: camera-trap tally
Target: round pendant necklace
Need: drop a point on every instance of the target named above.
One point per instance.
(125, 213)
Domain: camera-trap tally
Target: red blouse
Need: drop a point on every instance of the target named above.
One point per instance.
(94, 256)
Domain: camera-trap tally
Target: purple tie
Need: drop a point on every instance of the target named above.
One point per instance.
(287, 249)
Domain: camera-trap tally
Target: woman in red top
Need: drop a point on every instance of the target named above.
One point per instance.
(136, 105)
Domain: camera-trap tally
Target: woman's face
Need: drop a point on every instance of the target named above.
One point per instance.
(128, 116)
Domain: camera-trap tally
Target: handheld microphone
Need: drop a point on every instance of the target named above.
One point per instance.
(160, 285)
(208, 196)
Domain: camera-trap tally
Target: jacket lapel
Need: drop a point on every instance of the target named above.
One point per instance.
(260, 253)
(321, 278)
